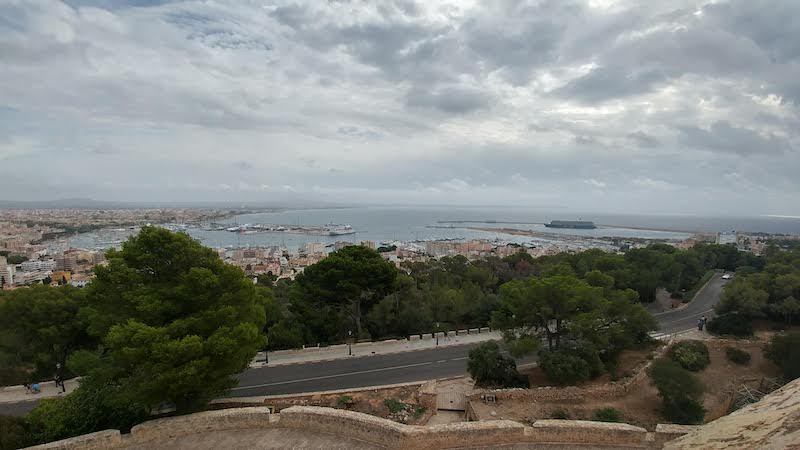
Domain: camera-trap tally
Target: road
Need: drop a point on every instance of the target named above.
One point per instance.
(422, 365)
(686, 318)
(404, 367)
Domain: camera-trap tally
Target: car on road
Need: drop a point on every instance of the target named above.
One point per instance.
(727, 276)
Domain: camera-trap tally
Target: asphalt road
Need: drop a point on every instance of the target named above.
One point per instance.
(403, 367)
(686, 318)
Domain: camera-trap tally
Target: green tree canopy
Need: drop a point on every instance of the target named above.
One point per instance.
(490, 368)
(175, 321)
(40, 326)
(348, 282)
(559, 306)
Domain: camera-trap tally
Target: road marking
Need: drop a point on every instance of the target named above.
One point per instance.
(358, 372)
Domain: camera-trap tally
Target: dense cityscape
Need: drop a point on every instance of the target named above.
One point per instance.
(35, 243)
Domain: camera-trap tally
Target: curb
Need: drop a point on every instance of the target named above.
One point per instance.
(267, 365)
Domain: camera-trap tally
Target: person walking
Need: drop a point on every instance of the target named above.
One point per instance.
(700, 324)
(59, 378)
(705, 321)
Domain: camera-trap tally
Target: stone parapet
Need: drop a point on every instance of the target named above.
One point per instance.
(225, 419)
(100, 440)
(561, 434)
(586, 432)
(667, 432)
(355, 425)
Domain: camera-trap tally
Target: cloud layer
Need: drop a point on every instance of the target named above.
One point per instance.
(627, 106)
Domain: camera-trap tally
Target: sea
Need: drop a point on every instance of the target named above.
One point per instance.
(383, 225)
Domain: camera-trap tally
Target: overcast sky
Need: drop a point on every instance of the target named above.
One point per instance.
(629, 106)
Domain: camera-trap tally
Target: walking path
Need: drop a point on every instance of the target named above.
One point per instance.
(14, 394)
(344, 351)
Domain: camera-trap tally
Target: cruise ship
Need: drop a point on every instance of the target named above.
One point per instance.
(338, 230)
(576, 224)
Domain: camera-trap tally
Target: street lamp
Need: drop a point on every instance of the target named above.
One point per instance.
(349, 342)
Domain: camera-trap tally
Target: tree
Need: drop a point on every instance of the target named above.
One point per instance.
(784, 351)
(742, 297)
(347, 282)
(489, 368)
(175, 322)
(731, 323)
(679, 390)
(557, 307)
(787, 309)
(41, 325)
(691, 355)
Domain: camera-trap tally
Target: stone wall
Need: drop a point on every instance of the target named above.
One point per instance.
(208, 421)
(565, 434)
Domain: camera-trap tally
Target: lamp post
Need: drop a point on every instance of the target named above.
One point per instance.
(349, 342)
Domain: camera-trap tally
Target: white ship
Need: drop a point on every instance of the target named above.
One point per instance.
(338, 230)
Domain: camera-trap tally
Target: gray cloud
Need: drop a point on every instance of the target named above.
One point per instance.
(660, 104)
(449, 99)
(724, 137)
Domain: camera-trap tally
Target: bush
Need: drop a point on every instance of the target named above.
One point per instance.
(13, 433)
(489, 368)
(731, 324)
(344, 401)
(691, 355)
(680, 392)
(562, 414)
(83, 411)
(563, 368)
(784, 351)
(607, 415)
(394, 405)
(737, 356)
(686, 411)
(571, 364)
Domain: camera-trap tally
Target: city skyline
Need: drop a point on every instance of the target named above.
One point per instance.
(666, 107)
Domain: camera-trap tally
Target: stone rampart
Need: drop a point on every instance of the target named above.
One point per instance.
(105, 439)
(563, 434)
(225, 419)
(587, 432)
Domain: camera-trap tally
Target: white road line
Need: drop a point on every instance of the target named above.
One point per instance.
(358, 372)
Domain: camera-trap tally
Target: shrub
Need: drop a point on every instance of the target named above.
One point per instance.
(560, 414)
(680, 391)
(394, 405)
(13, 433)
(344, 401)
(784, 351)
(83, 411)
(607, 415)
(691, 355)
(732, 324)
(489, 368)
(563, 368)
(572, 363)
(737, 356)
(686, 411)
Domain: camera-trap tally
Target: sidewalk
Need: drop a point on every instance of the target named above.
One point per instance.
(315, 354)
(15, 394)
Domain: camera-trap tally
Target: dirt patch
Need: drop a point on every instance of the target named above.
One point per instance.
(641, 405)
(409, 404)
